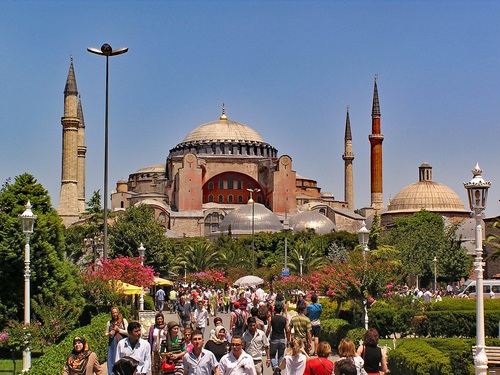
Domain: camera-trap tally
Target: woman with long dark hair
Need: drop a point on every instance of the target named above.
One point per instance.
(174, 348)
(81, 361)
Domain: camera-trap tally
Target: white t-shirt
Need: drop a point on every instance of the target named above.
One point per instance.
(295, 365)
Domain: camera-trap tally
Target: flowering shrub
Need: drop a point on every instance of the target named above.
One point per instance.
(100, 292)
(209, 277)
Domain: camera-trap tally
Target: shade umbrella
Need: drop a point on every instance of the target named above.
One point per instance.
(249, 280)
(126, 288)
(160, 281)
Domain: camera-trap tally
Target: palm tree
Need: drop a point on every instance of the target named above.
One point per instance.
(313, 258)
(494, 241)
(198, 257)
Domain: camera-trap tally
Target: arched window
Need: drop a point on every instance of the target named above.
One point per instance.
(322, 211)
(221, 198)
(210, 198)
(240, 198)
(230, 198)
(211, 185)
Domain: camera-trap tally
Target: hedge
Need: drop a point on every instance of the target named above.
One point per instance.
(52, 362)
(420, 357)
(435, 323)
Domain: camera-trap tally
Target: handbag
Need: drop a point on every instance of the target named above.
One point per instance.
(167, 366)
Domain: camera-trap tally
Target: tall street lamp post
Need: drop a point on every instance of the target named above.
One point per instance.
(477, 192)
(301, 263)
(363, 237)
(142, 251)
(435, 274)
(28, 222)
(252, 202)
(107, 51)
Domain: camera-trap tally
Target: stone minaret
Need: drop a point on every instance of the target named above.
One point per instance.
(82, 150)
(376, 138)
(348, 157)
(68, 199)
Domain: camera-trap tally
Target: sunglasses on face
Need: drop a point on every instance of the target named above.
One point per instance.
(235, 345)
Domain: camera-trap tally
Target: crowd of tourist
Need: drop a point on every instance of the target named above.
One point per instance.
(265, 330)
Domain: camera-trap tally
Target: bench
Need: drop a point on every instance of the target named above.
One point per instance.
(493, 354)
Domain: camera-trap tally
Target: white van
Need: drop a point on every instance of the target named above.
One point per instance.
(469, 288)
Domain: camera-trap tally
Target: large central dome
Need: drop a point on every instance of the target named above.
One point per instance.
(224, 137)
(223, 130)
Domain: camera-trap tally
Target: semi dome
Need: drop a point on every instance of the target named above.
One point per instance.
(312, 220)
(157, 168)
(426, 194)
(240, 220)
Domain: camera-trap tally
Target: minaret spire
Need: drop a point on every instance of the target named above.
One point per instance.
(82, 151)
(68, 207)
(348, 157)
(376, 139)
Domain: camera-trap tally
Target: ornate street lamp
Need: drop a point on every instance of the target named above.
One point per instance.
(28, 222)
(477, 192)
(142, 253)
(107, 51)
(363, 237)
(252, 202)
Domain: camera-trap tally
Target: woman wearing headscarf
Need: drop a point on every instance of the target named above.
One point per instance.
(218, 343)
(81, 361)
(116, 329)
(174, 348)
(157, 333)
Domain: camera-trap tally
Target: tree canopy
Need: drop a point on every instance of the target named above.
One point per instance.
(51, 275)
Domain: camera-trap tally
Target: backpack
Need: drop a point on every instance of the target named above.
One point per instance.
(240, 320)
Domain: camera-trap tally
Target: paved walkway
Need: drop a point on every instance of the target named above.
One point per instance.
(225, 321)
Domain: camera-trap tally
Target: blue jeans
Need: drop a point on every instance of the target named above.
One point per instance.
(277, 347)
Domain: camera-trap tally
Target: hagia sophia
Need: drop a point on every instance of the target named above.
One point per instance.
(223, 176)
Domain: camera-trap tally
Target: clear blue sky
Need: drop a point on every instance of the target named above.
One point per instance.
(285, 68)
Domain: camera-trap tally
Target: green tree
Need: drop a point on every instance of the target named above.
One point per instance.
(423, 236)
(135, 226)
(51, 275)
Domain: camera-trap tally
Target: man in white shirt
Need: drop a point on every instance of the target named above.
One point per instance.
(199, 361)
(136, 347)
(237, 362)
(200, 317)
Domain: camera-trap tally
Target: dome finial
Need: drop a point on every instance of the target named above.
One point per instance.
(223, 116)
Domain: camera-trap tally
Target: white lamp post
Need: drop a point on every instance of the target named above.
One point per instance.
(252, 202)
(363, 237)
(301, 262)
(107, 51)
(142, 251)
(477, 192)
(28, 222)
(435, 274)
